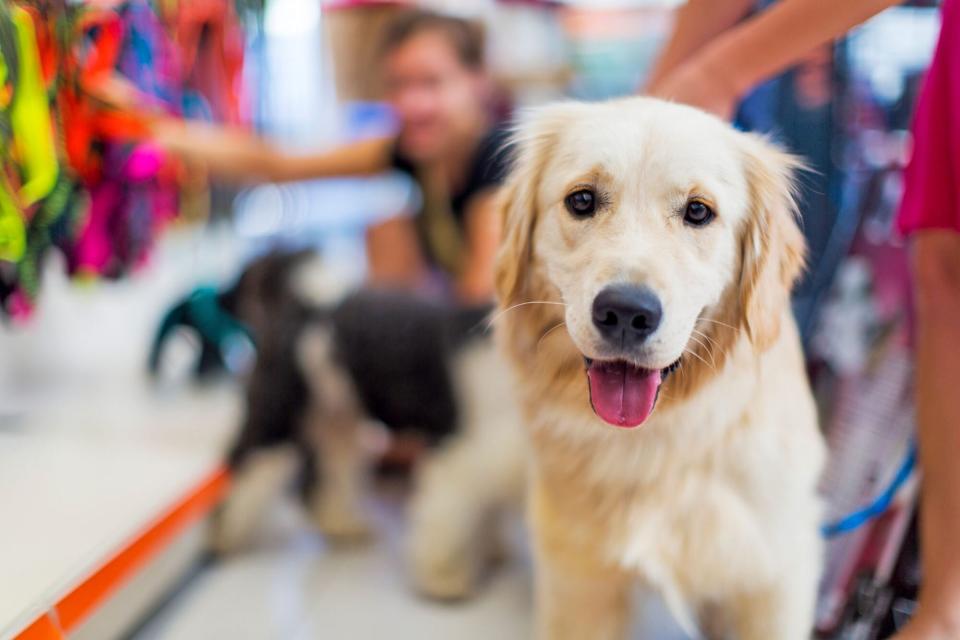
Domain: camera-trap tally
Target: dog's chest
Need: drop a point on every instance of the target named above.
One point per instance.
(675, 517)
(691, 532)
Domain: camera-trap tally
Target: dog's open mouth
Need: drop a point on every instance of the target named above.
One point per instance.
(623, 394)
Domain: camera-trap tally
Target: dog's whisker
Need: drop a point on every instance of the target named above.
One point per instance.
(497, 316)
(710, 347)
(699, 358)
(712, 341)
(713, 362)
(548, 332)
(694, 354)
(724, 324)
(699, 339)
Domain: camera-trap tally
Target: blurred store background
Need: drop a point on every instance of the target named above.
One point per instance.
(100, 234)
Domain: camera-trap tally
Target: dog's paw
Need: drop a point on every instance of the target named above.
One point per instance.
(444, 580)
(227, 536)
(442, 574)
(343, 527)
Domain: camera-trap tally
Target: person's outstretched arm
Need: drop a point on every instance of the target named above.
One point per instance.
(733, 62)
(237, 155)
(696, 23)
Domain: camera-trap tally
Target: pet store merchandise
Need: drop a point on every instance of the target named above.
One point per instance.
(82, 83)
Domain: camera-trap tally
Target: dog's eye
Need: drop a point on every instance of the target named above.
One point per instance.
(697, 214)
(582, 203)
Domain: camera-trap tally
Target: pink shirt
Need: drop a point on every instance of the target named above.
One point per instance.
(931, 196)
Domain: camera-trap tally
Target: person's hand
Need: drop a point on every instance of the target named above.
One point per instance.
(921, 631)
(928, 627)
(698, 84)
(174, 136)
(196, 140)
(228, 153)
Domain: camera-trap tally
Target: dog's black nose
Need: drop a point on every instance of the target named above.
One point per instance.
(626, 314)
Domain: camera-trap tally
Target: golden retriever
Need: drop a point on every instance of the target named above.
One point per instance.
(644, 279)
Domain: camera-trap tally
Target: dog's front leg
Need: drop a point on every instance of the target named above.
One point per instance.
(575, 603)
(784, 609)
(332, 428)
(450, 516)
(578, 595)
(257, 482)
(461, 491)
(337, 500)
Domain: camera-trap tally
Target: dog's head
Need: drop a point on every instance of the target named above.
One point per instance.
(666, 235)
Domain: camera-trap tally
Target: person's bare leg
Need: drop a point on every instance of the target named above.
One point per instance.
(393, 253)
(936, 266)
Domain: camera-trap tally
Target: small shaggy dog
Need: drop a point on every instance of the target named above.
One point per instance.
(326, 364)
(649, 251)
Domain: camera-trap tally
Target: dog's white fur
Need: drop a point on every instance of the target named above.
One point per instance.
(460, 492)
(465, 488)
(712, 501)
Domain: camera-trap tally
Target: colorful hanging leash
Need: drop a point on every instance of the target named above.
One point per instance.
(879, 505)
(133, 197)
(92, 78)
(55, 217)
(29, 167)
(211, 41)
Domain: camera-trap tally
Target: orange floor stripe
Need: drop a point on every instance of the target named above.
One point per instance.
(43, 628)
(84, 599)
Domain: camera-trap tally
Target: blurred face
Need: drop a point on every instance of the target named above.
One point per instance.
(436, 97)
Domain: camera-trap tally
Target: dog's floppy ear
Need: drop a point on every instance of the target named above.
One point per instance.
(518, 202)
(772, 246)
(532, 140)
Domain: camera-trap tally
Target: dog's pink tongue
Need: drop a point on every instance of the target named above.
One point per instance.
(622, 394)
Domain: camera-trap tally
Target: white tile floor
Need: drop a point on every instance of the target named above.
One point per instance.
(293, 587)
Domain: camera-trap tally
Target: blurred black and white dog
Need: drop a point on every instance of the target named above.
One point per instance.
(327, 363)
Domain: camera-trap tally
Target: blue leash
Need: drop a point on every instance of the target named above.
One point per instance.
(879, 505)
